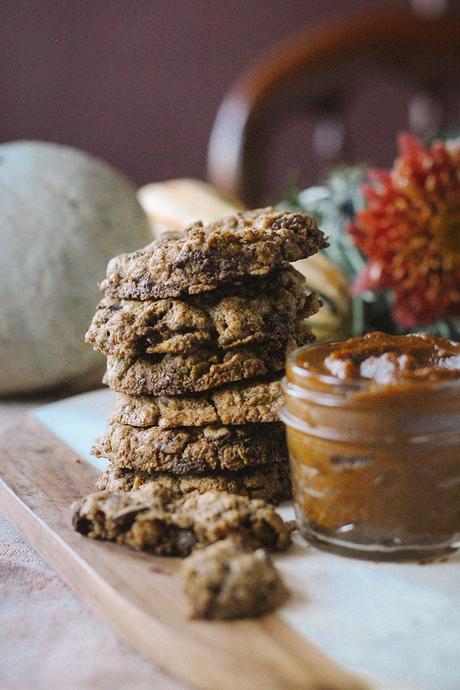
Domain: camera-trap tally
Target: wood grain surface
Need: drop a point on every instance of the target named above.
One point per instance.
(140, 595)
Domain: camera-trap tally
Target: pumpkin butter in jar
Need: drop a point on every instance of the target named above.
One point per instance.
(373, 429)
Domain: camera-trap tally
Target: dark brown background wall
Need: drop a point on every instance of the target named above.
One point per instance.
(139, 83)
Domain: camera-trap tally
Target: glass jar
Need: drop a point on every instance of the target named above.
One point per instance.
(375, 464)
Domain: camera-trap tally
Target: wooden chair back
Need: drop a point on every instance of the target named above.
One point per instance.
(313, 73)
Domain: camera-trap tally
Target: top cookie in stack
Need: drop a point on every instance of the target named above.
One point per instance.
(196, 328)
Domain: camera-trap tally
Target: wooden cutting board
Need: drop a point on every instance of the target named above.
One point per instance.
(140, 595)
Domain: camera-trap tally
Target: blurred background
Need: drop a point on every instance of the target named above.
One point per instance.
(257, 96)
(139, 83)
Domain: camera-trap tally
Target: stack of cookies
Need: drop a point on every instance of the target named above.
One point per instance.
(196, 328)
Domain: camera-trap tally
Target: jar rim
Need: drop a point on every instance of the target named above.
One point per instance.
(435, 439)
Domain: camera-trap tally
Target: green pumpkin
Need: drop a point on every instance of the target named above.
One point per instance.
(64, 214)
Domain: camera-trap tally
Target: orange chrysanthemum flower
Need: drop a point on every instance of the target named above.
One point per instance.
(410, 232)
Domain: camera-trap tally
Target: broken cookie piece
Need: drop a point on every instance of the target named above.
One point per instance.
(156, 519)
(225, 580)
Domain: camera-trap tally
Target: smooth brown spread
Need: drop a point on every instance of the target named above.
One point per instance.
(385, 359)
(373, 429)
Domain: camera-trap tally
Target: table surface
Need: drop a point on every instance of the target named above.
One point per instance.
(389, 636)
(49, 638)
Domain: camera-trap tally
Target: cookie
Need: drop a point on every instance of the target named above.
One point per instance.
(131, 328)
(156, 520)
(200, 370)
(193, 450)
(238, 403)
(271, 482)
(254, 243)
(224, 580)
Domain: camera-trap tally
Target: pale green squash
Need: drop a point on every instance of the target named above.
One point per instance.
(63, 215)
